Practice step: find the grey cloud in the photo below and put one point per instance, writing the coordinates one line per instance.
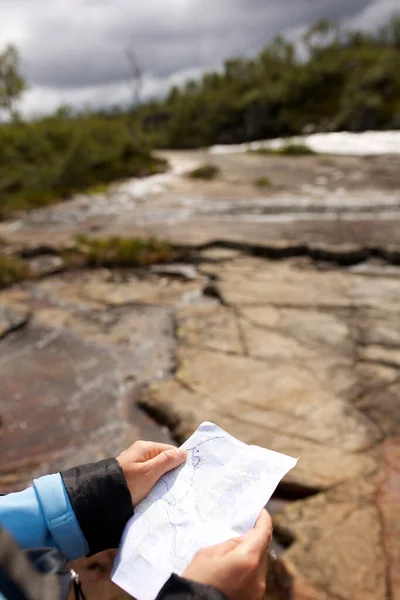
(75, 49)
(84, 45)
(374, 15)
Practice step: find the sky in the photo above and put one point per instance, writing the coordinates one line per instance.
(75, 51)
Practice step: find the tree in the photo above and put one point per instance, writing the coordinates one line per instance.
(322, 34)
(136, 77)
(135, 84)
(12, 84)
(390, 33)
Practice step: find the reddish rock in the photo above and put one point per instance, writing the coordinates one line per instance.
(65, 400)
(388, 503)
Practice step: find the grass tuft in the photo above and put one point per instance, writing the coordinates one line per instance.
(124, 252)
(206, 172)
(12, 270)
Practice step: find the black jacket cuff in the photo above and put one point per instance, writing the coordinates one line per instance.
(178, 588)
(101, 501)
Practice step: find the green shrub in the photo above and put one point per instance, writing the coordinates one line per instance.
(262, 182)
(348, 80)
(295, 150)
(12, 270)
(288, 149)
(207, 172)
(98, 188)
(124, 252)
(45, 161)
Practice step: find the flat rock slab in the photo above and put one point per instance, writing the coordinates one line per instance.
(210, 326)
(284, 407)
(250, 281)
(346, 541)
(305, 362)
(294, 358)
(388, 504)
(65, 399)
(199, 230)
(338, 547)
(12, 316)
(46, 264)
(140, 338)
(103, 288)
(55, 391)
(282, 355)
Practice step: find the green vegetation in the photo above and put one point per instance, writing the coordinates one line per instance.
(12, 83)
(48, 160)
(12, 270)
(98, 188)
(263, 182)
(295, 150)
(350, 80)
(124, 252)
(286, 150)
(93, 252)
(207, 172)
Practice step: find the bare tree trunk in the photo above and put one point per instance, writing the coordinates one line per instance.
(135, 84)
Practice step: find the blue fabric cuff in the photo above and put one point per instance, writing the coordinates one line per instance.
(60, 517)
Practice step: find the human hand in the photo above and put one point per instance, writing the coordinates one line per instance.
(238, 567)
(145, 462)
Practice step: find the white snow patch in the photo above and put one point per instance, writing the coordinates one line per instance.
(159, 183)
(154, 184)
(344, 142)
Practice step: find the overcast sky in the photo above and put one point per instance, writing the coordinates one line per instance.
(73, 50)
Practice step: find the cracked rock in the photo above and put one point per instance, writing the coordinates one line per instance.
(12, 316)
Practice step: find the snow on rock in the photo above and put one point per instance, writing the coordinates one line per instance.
(139, 187)
(159, 183)
(344, 142)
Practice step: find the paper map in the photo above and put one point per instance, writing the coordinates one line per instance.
(216, 495)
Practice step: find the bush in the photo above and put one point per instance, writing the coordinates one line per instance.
(347, 80)
(48, 160)
(288, 149)
(207, 172)
(12, 270)
(262, 182)
(124, 252)
(295, 150)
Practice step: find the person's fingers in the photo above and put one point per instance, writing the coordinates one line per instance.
(153, 449)
(263, 567)
(264, 521)
(165, 461)
(142, 451)
(160, 447)
(225, 547)
(258, 539)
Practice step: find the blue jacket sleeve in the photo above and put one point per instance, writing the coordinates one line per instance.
(43, 516)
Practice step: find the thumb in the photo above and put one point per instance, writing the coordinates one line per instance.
(258, 539)
(166, 461)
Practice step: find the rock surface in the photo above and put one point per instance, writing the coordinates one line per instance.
(299, 355)
(388, 504)
(285, 356)
(297, 360)
(45, 265)
(12, 316)
(81, 375)
(338, 542)
(361, 208)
